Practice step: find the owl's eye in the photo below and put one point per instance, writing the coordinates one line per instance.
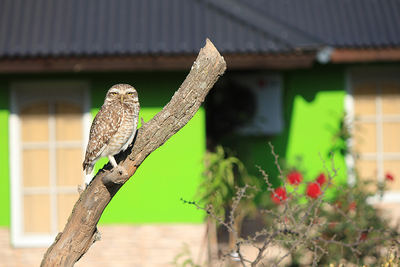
(129, 93)
(114, 93)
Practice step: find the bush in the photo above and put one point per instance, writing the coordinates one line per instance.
(299, 219)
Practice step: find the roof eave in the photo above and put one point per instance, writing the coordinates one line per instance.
(152, 63)
(365, 55)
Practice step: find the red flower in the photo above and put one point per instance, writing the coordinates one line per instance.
(278, 195)
(352, 205)
(313, 190)
(363, 236)
(321, 179)
(294, 177)
(389, 177)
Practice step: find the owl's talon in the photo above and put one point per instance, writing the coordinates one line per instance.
(121, 170)
(118, 175)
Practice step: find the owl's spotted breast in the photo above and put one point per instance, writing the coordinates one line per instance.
(124, 132)
(114, 127)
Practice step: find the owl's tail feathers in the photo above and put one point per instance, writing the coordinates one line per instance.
(88, 167)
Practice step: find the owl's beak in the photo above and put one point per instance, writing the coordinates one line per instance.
(122, 98)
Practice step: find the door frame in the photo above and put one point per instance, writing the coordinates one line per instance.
(18, 238)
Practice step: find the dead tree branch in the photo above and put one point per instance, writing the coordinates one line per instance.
(80, 232)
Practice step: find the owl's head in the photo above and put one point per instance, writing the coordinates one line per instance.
(123, 93)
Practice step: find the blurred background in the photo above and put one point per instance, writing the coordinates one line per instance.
(309, 76)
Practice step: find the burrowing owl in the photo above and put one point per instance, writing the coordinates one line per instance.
(114, 127)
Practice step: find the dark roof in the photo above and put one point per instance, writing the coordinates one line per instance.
(128, 27)
(339, 23)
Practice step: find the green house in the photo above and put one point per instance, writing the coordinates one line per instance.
(295, 73)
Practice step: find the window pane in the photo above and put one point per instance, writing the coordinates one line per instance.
(65, 204)
(364, 137)
(393, 167)
(37, 214)
(69, 167)
(391, 137)
(35, 167)
(34, 123)
(364, 100)
(391, 99)
(367, 171)
(68, 122)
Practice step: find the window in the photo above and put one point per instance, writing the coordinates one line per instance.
(48, 126)
(376, 127)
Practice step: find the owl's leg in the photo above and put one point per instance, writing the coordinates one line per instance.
(113, 162)
(120, 169)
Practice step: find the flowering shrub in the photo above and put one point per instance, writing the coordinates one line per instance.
(355, 226)
(345, 230)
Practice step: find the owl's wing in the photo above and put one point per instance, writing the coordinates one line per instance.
(105, 125)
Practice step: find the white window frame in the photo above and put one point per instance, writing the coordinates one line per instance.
(373, 74)
(18, 238)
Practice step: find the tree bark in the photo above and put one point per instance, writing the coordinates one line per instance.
(80, 232)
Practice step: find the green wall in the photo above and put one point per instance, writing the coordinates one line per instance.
(171, 172)
(317, 99)
(4, 166)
